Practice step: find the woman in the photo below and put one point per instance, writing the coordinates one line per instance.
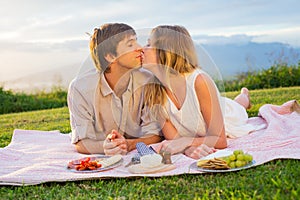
(194, 117)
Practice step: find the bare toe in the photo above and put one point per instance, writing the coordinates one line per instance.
(245, 91)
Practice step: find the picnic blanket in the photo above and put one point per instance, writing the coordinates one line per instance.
(35, 157)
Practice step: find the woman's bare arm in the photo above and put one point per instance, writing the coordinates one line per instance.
(211, 110)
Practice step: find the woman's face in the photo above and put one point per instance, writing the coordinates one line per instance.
(149, 54)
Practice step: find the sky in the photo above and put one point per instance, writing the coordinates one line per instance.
(36, 36)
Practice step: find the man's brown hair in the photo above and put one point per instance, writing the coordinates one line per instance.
(105, 40)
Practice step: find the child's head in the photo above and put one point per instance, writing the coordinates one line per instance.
(174, 47)
(105, 41)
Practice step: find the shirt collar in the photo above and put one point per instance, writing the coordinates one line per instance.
(104, 86)
(106, 89)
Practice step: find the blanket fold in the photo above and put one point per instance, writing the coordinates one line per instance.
(35, 157)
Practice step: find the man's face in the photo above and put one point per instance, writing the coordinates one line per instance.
(129, 52)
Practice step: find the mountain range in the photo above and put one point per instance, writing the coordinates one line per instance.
(222, 61)
(232, 59)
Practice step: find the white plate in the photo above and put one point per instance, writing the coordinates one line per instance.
(218, 154)
(195, 167)
(139, 169)
(98, 169)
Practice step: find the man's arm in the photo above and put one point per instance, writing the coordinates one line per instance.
(88, 146)
(149, 139)
(82, 121)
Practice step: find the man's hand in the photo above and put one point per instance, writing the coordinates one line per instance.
(115, 143)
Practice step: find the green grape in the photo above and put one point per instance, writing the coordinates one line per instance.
(244, 163)
(248, 157)
(228, 161)
(236, 152)
(239, 163)
(232, 157)
(232, 165)
(237, 159)
(240, 157)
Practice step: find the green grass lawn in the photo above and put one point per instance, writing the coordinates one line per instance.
(278, 179)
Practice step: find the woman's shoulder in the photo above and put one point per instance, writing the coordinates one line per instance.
(199, 76)
(203, 80)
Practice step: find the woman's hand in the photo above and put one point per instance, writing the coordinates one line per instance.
(115, 143)
(199, 152)
(175, 146)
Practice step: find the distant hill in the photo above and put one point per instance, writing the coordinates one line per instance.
(226, 60)
(44, 80)
(236, 58)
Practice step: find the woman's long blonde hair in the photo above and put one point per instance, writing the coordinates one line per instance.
(176, 52)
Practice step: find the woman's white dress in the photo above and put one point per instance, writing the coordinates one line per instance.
(189, 122)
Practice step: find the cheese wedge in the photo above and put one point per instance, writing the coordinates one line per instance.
(151, 160)
(110, 161)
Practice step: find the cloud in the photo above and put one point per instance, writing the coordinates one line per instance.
(285, 35)
(221, 40)
(56, 29)
(62, 19)
(46, 46)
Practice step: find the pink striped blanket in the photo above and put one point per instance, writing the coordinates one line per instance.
(35, 157)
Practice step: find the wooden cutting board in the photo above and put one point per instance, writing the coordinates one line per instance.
(139, 169)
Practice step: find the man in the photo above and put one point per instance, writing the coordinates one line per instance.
(106, 106)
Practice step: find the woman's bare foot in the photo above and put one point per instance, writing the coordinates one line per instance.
(243, 98)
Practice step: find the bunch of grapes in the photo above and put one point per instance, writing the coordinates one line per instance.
(238, 159)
